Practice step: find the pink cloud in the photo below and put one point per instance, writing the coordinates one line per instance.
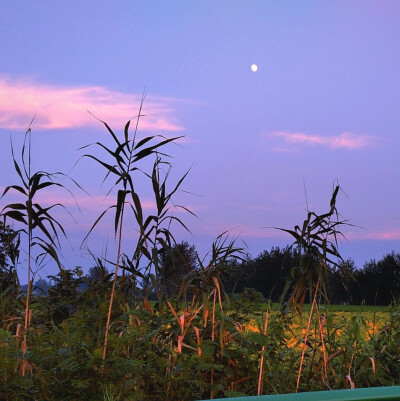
(67, 107)
(393, 234)
(386, 234)
(345, 140)
(86, 203)
(90, 207)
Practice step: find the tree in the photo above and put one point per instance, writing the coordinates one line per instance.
(271, 270)
(267, 273)
(175, 264)
(99, 273)
(236, 278)
(380, 281)
(40, 287)
(9, 242)
(343, 286)
(63, 297)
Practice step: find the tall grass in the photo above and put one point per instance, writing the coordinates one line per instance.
(40, 227)
(125, 158)
(317, 244)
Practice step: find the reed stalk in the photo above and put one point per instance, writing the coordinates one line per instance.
(112, 295)
(34, 218)
(125, 158)
(306, 336)
(321, 334)
(262, 354)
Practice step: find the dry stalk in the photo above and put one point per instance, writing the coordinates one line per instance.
(212, 338)
(262, 354)
(184, 322)
(213, 317)
(306, 336)
(28, 314)
(321, 333)
(348, 377)
(112, 293)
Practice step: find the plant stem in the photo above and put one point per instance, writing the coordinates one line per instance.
(112, 290)
(262, 354)
(28, 294)
(306, 336)
(212, 338)
(321, 333)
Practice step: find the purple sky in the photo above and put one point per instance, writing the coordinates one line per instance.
(323, 105)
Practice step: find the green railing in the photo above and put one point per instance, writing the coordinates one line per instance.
(359, 394)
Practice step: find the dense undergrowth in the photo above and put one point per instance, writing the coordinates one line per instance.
(155, 355)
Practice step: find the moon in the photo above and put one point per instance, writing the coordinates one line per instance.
(254, 67)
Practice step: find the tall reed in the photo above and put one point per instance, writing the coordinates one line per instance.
(124, 163)
(317, 243)
(33, 218)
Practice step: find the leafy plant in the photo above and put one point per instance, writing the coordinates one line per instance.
(316, 242)
(125, 158)
(34, 219)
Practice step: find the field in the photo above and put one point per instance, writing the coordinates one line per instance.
(374, 319)
(162, 352)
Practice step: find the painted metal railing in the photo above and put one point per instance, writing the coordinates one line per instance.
(360, 394)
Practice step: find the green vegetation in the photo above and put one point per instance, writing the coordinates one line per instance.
(374, 284)
(166, 328)
(339, 308)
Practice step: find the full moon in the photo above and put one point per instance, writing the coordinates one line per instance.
(254, 67)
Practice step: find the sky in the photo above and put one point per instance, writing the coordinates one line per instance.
(323, 107)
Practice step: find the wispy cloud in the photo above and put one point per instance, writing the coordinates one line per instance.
(345, 140)
(68, 106)
(90, 206)
(391, 234)
(86, 203)
(384, 234)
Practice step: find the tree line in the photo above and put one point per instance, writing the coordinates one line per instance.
(377, 282)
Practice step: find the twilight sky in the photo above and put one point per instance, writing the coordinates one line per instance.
(323, 106)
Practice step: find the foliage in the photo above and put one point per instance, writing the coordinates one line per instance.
(379, 281)
(9, 252)
(316, 241)
(126, 155)
(8, 246)
(31, 215)
(375, 283)
(156, 354)
(38, 223)
(176, 263)
(267, 273)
